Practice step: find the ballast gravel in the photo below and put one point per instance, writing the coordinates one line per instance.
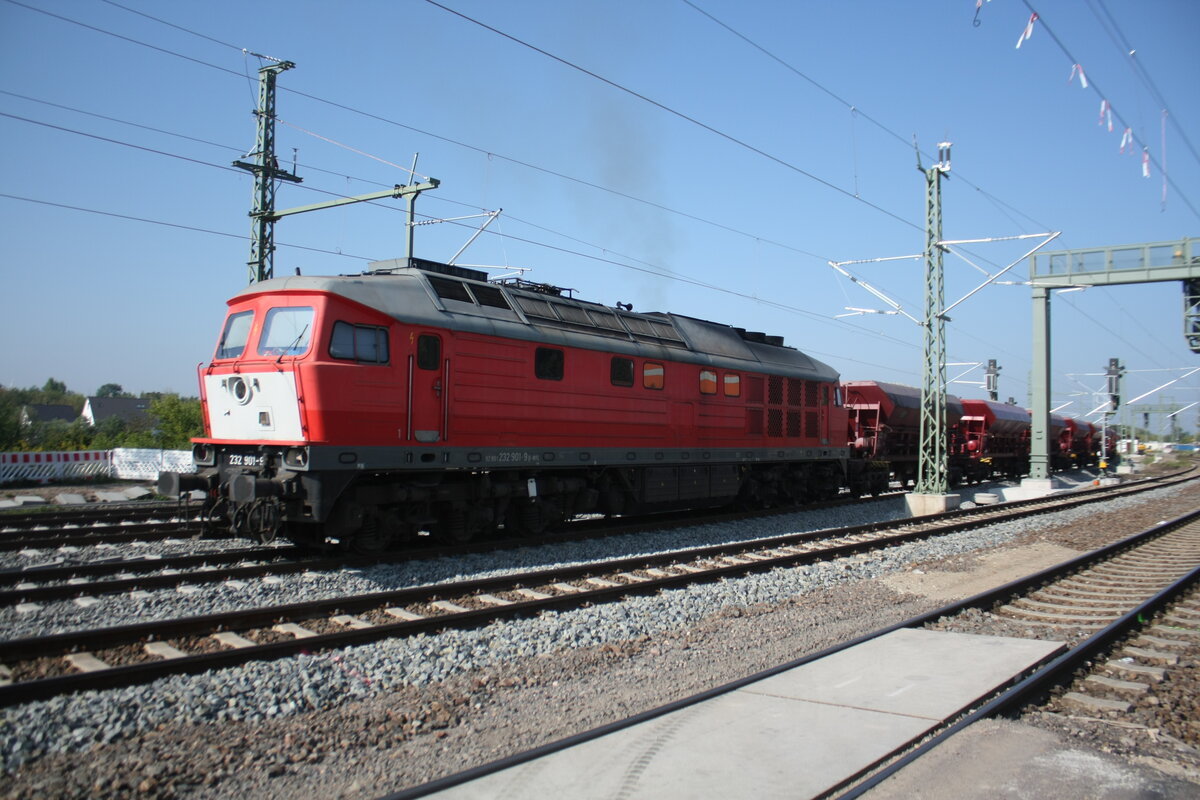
(367, 720)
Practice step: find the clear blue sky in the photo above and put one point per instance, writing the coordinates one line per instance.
(723, 201)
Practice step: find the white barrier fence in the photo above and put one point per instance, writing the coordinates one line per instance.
(123, 463)
(132, 464)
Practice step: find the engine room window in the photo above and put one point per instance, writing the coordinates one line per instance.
(733, 385)
(233, 338)
(429, 352)
(652, 375)
(365, 343)
(548, 364)
(450, 290)
(708, 381)
(489, 296)
(286, 331)
(621, 371)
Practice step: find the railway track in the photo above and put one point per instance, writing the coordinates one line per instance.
(53, 582)
(114, 524)
(61, 663)
(1127, 611)
(110, 513)
(1151, 674)
(107, 534)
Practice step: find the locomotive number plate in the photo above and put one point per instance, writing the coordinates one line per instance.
(511, 457)
(238, 460)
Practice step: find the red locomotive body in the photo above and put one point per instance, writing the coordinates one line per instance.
(420, 397)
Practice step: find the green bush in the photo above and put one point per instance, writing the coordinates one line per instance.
(172, 421)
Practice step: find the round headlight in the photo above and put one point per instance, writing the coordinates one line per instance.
(240, 390)
(202, 455)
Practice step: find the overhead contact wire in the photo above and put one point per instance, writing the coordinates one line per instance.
(728, 137)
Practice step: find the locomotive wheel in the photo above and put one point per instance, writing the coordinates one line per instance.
(212, 517)
(263, 520)
(453, 527)
(371, 539)
(535, 518)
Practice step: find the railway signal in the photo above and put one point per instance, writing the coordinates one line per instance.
(992, 377)
(1113, 381)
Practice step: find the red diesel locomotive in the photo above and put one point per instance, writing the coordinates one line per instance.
(420, 397)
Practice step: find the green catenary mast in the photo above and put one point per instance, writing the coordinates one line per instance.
(266, 174)
(932, 477)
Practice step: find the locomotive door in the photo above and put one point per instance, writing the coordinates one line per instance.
(428, 390)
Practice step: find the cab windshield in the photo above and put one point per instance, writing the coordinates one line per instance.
(233, 338)
(286, 331)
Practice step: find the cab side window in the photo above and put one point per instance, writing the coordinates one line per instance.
(367, 344)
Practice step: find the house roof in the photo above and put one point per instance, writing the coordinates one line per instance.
(126, 408)
(42, 412)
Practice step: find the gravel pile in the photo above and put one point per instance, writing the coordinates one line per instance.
(475, 689)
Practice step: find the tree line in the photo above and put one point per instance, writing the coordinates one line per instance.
(170, 423)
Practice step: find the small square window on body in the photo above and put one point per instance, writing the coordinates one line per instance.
(621, 371)
(652, 375)
(548, 364)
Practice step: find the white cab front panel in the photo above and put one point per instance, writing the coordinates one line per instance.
(253, 406)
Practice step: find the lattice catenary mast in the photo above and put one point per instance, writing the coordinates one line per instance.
(932, 470)
(266, 175)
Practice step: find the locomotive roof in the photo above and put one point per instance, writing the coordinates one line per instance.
(459, 302)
